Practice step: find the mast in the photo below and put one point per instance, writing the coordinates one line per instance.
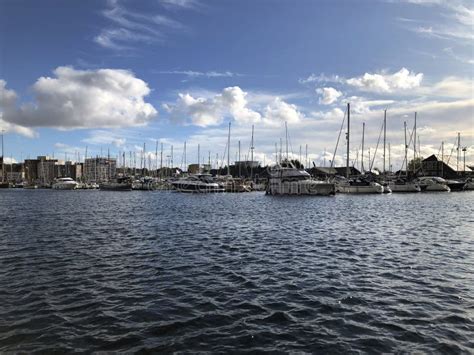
(286, 135)
(156, 158)
(347, 138)
(161, 161)
(251, 156)
(240, 164)
(384, 137)
(172, 157)
(442, 159)
(228, 152)
(406, 150)
(363, 141)
(199, 158)
(3, 160)
(458, 153)
(306, 156)
(276, 153)
(414, 148)
(185, 162)
(389, 159)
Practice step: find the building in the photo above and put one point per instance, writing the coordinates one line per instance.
(14, 173)
(31, 170)
(99, 169)
(72, 170)
(47, 170)
(432, 166)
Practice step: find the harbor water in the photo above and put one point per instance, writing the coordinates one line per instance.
(163, 271)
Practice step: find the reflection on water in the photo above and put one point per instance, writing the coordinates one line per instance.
(162, 271)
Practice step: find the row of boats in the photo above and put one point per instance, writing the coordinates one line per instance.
(283, 179)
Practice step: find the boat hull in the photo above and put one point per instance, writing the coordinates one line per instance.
(404, 188)
(115, 187)
(64, 186)
(197, 188)
(298, 188)
(361, 189)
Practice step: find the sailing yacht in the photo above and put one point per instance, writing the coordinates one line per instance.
(118, 184)
(286, 179)
(401, 185)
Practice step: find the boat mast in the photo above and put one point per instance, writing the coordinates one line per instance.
(306, 157)
(458, 152)
(156, 158)
(3, 158)
(406, 150)
(161, 161)
(185, 168)
(251, 156)
(389, 159)
(240, 164)
(363, 141)
(228, 152)
(199, 158)
(286, 135)
(347, 137)
(414, 148)
(384, 137)
(442, 159)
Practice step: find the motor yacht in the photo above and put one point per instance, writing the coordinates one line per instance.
(65, 183)
(200, 183)
(286, 179)
(432, 183)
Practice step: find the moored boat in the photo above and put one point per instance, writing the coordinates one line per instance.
(66, 183)
(432, 183)
(199, 183)
(118, 184)
(401, 185)
(286, 179)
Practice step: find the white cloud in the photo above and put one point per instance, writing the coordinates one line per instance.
(197, 74)
(7, 104)
(104, 138)
(133, 27)
(385, 82)
(278, 112)
(85, 99)
(184, 4)
(230, 103)
(328, 95)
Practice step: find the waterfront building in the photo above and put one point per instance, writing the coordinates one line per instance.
(432, 166)
(99, 169)
(47, 170)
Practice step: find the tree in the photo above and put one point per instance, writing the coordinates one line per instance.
(417, 164)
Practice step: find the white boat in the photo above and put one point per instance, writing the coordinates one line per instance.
(286, 179)
(469, 185)
(404, 186)
(358, 186)
(64, 184)
(231, 184)
(433, 183)
(199, 183)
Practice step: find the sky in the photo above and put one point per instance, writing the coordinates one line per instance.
(112, 76)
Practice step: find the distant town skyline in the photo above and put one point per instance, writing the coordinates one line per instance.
(117, 74)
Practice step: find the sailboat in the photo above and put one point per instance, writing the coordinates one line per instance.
(3, 184)
(358, 185)
(403, 184)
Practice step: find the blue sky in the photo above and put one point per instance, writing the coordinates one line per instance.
(115, 74)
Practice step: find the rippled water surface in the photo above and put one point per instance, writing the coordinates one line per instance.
(162, 271)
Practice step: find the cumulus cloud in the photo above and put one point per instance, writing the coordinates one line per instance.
(278, 111)
(385, 82)
(232, 103)
(7, 104)
(328, 95)
(85, 99)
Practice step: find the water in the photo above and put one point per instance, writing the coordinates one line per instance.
(162, 271)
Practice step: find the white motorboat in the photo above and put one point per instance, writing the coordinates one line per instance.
(433, 183)
(358, 186)
(286, 179)
(199, 183)
(66, 183)
(404, 186)
(469, 185)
